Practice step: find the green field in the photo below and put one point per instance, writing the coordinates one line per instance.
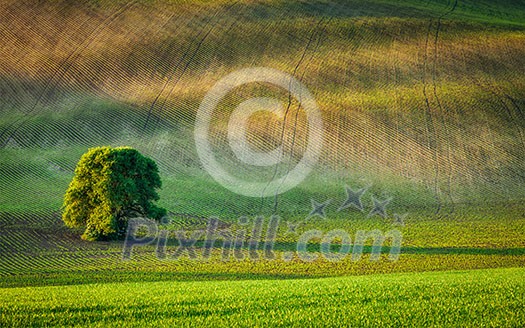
(491, 298)
(422, 103)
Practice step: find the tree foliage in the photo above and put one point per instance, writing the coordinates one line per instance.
(111, 185)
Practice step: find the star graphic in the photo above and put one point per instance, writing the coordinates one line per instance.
(379, 207)
(353, 198)
(399, 219)
(318, 209)
(292, 227)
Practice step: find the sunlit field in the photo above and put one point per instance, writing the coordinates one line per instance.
(462, 298)
(422, 106)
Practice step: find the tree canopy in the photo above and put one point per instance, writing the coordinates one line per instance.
(111, 185)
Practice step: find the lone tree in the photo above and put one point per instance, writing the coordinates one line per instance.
(111, 185)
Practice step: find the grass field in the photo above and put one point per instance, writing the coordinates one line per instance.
(477, 298)
(422, 103)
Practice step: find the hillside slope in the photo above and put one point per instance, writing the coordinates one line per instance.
(424, 100)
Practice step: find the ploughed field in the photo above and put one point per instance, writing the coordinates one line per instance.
(422, 103)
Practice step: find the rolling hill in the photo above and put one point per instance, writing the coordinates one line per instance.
(423, 100)
(422, 105)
